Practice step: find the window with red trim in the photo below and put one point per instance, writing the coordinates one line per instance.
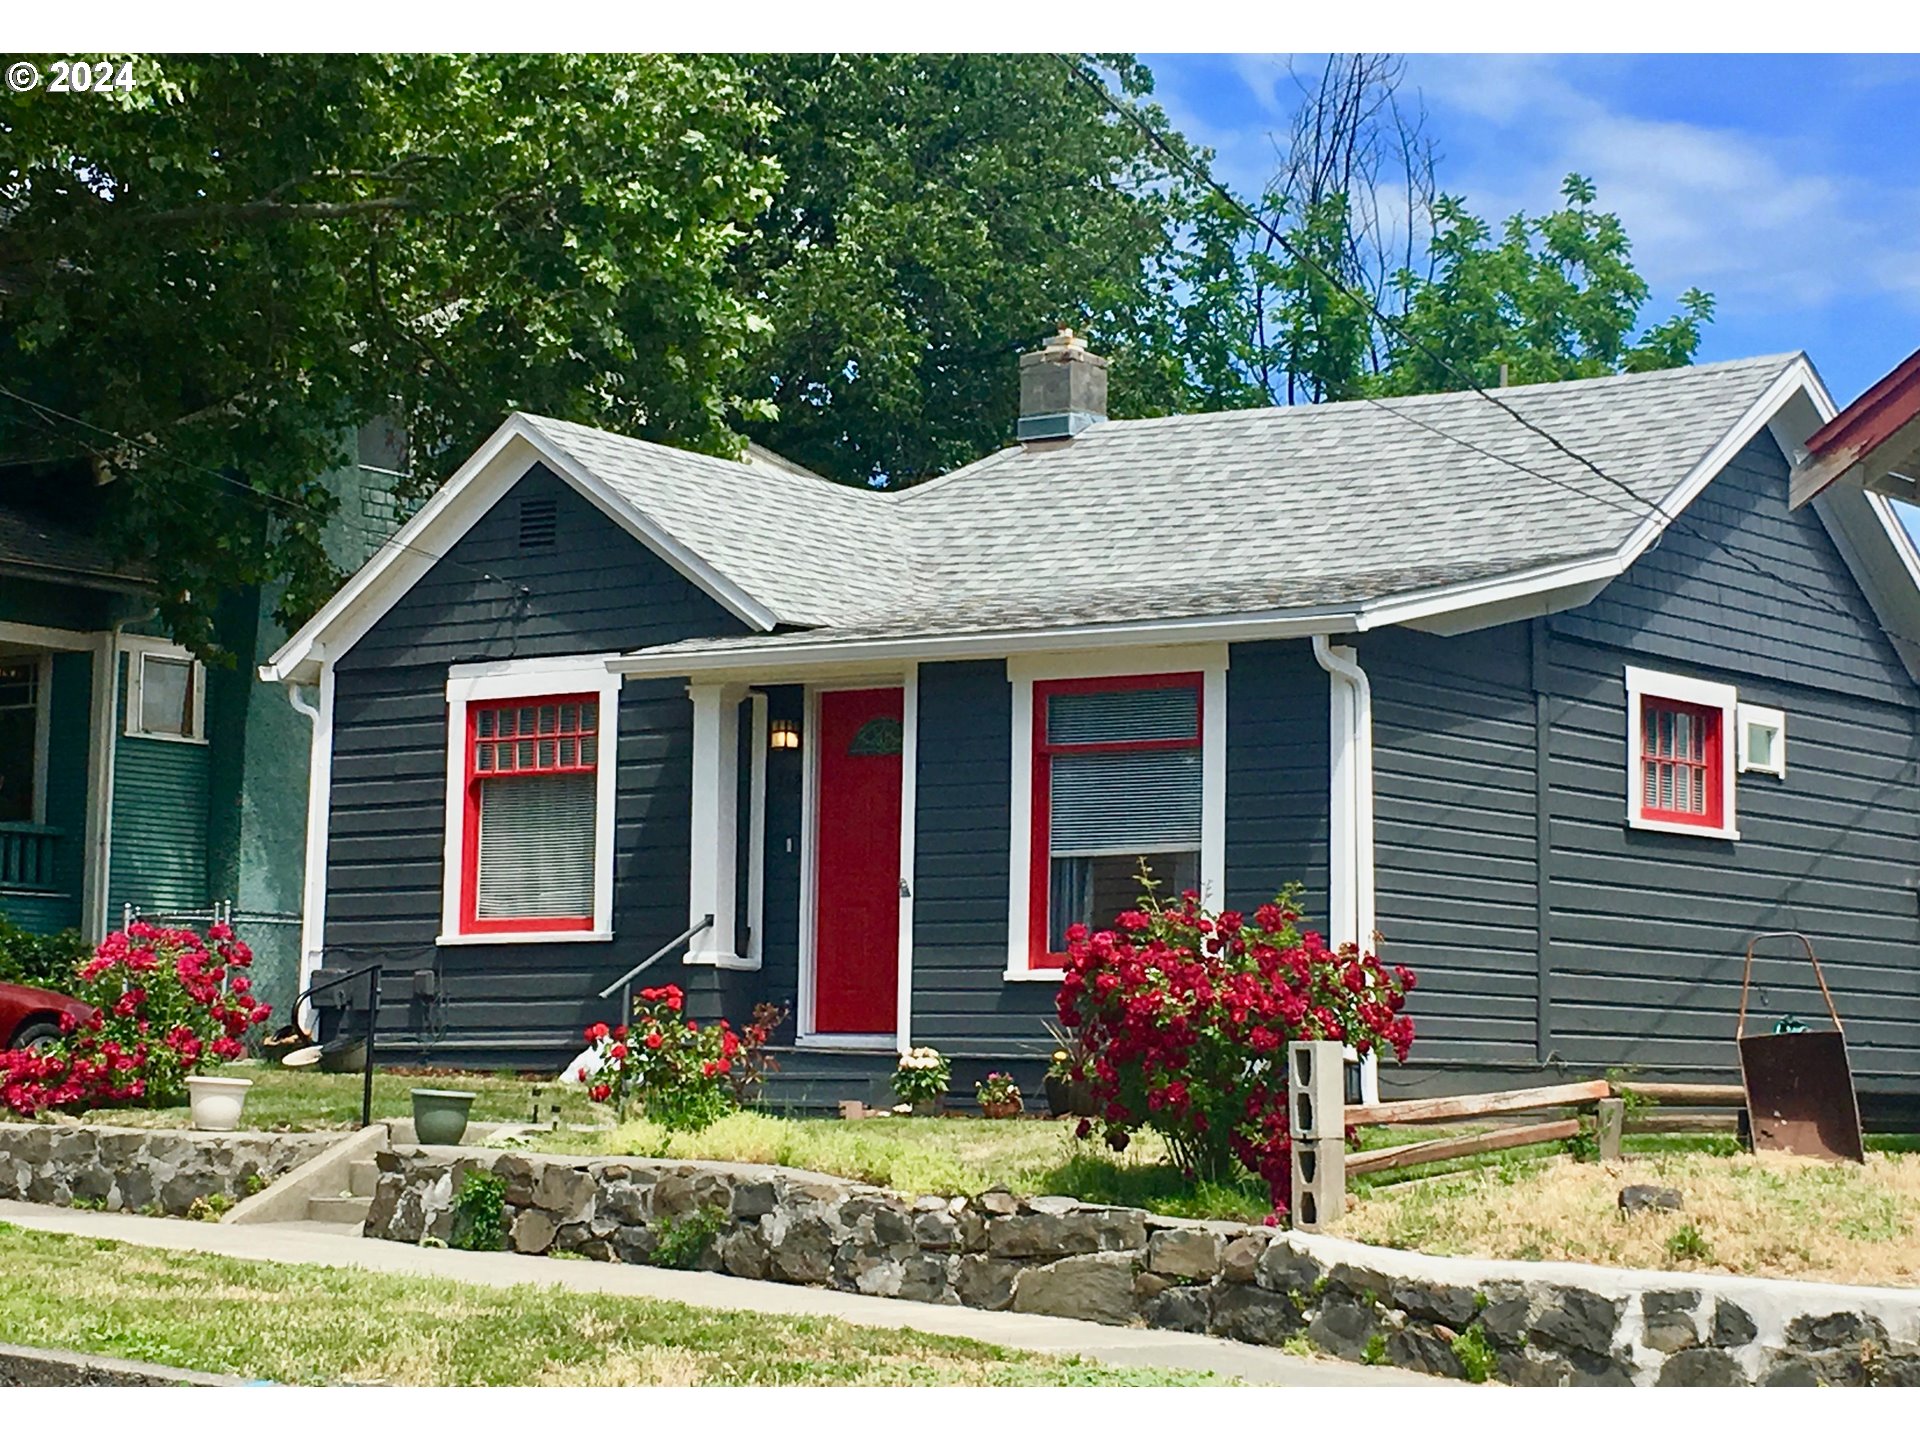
(1682, 762)
(530, 814)
(1116, 784)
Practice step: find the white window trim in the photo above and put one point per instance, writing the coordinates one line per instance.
(525, 679)
(1769, 718)
(1024, 671)
(137, 649)
(1684, 690)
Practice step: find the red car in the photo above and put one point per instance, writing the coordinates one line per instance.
(30, 1018)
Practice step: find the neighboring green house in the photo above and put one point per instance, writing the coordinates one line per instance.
(133, 778)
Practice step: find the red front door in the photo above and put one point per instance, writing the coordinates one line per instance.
(857, 895)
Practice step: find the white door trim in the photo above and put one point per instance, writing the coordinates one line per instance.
(806, 1035)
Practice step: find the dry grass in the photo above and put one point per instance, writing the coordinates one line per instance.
(1746, 1214)
(307, 1325)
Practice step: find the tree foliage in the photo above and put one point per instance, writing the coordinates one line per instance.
(938, 215)
(208, 281)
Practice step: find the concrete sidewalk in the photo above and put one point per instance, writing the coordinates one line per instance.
(300, 1244)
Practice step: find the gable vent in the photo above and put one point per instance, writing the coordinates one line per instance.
(539, 519)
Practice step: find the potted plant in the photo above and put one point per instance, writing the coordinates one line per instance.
(921, 1079)
(999, 1097)
(1067, 1090)
(440, 1116)
(215, 1101)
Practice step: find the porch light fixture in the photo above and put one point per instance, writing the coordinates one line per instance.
(784, 735)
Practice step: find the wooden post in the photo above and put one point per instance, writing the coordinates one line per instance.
(1609, 1122)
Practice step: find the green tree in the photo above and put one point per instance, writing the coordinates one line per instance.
(939, 214)
(1552, 297)
(219, 273)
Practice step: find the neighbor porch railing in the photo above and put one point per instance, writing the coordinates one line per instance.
(27, 854)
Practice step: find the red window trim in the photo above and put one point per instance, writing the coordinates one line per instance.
(1040, 859)
(1713, 763)
(470, 921)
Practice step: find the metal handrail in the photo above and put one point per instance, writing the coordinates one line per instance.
(625, 982)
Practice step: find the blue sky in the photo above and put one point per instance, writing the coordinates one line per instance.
(1788, 186)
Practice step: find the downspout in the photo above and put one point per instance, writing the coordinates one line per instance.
(1350, 817)
(313, 902)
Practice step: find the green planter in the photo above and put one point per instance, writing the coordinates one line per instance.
(440, 1116)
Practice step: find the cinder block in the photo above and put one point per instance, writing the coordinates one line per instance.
(1316, 1090)
(1319, 1182)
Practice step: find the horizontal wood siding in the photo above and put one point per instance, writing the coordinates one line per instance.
(962, 1002)
(1277, 759)
(596, 590)
(1649, 929)
(1454, 837)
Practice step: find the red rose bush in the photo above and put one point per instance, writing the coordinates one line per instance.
(1184, 1016)
(169, 1004)
(678, 1071)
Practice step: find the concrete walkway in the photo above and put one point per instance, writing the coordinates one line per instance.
(303, 1244)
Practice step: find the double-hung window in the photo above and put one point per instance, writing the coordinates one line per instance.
(529, 809)
(1680, 734)
(1117, 783)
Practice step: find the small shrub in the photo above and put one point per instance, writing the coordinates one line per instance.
(923, 1074)
(1297, 1344)
(1688, 1244)
(480, 1213)
(47, 962)
(209, 1207)
(1475, 1354)
(674, 1068)
(1583, 1145)
(254, 1183)
(1375, 1352)
(753, 1063)
(684, 1238)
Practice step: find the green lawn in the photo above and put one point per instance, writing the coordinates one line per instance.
(303, 1324)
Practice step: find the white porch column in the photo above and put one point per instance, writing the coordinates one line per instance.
(716, 805)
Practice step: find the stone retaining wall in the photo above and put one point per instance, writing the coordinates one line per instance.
(1531, 1324)
(157, 1171)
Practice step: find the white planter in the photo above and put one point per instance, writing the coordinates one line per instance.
(216, 1101)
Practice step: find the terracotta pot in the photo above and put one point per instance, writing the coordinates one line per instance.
(1001, 1109)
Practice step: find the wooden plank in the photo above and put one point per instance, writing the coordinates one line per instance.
(1664, 1123)
(1715, 1096)
(1421, 1152)
(1469, 1107)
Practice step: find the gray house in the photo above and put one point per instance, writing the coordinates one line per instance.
(1553, 692)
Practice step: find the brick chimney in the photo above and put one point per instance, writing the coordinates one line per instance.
(1063, 389)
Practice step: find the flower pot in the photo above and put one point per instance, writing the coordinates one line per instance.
(926, 1107)
(1001, 1109)
(215, 1101)
(1080, 1099)
(1058, 1101)
(440, 1116)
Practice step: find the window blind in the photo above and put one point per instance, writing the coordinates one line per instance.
(1131, 802)
(1094, 717)
(536, 847)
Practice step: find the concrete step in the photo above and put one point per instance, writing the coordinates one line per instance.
(365, 1175)
(339, 1209)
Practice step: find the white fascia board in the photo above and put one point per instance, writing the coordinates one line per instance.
(468, 494)
(767, 664)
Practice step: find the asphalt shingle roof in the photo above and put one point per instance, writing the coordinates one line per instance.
(29, 540)
(1228, 513)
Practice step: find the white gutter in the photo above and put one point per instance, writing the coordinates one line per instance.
(313, 902)
(1350, 903)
